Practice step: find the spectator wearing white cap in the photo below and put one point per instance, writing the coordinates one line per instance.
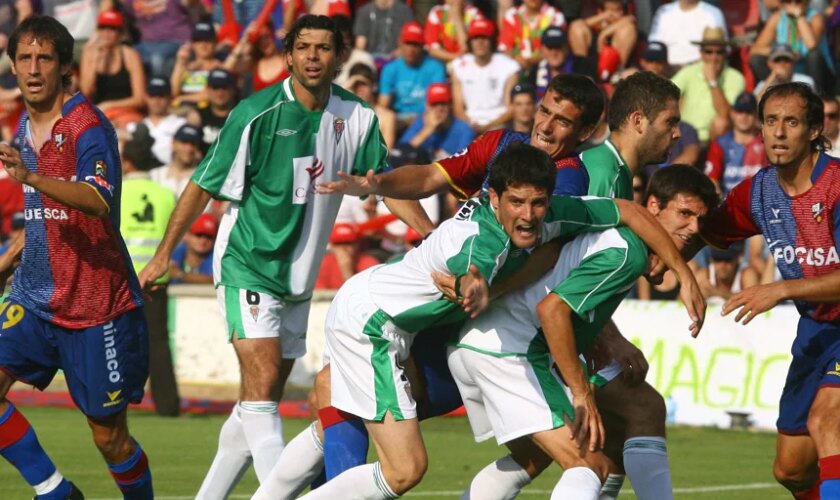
(782, 65)
(680, 24)
(186, 153)
(437, 131)
(160, 120)
(403, 84)
(482, 80)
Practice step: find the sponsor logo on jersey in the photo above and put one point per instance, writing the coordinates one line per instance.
(45, 214)
(835, 371)
(113, 398)
(99, 169)
(817, 211)
(101, 182)
(775, 211)
(306, 172)
(811, 256)
(111, 363)
(338, 127)
(59, 142)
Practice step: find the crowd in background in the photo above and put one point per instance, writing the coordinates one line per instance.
(168, 72)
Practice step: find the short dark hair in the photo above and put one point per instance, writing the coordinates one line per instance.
(642, 91)
(46, 28)
(668, 182)
(313, 22)
(522, 164)
(581, 91)
(814, 114)
(344, 24)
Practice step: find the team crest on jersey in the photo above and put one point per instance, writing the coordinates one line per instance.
(255, 312)
(100, 168)
(59, 142)
(338, 127)
(817, 210)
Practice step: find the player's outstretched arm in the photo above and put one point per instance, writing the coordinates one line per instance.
(190, 205)
(411, 182)
(760, 298)
(556, 319)
(78, 195)
(641, 222)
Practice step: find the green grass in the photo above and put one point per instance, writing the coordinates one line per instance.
(180, 451)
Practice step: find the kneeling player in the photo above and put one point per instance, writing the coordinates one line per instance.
(503, 359)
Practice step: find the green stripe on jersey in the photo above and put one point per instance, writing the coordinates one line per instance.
(383, 372)
(267, 160)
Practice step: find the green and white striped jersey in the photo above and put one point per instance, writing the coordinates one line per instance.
(608, 173)
(592, 275)
(267, 160)
(404, 290)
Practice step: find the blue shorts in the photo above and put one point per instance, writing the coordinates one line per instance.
(816, 364)
(429, 352)
(105, 366)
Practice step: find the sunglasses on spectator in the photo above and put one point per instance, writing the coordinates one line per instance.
(793, 1)
(783, 59)
(833, 116)
(717, 52)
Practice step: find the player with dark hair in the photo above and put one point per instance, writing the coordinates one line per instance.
(793, 203)
(75, 303)
(274, 147)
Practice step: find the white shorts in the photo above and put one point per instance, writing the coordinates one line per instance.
(509, 396)
(257, 315)
(606, 374)
(365, 351)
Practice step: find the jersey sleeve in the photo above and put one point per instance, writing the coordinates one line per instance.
(569, 215)
(571, 181)
(731, 221)
(603, 274)
(714, 161)
(96, 163)
(372, 153)
(480, 251)
(222, 171)
(465, 170)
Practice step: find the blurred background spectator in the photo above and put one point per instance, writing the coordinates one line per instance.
(186, 153)
(446, 28)
(210, 115)
(343, 258)
(378, 26)
(555, 60)
(611, 27)
(160, 121)
(523, 105)
(192, 260)
(831, 123)
(438, 132)
(353, 55)
(257, 55)
(482, 80)
(782, 63)
(681, 24)
(164, 26)
(522, 29)
(193, 64)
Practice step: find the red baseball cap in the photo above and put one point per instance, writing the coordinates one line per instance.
(439, 93)
(608, 62)
(109, 19)
(206, 224)
(481, 27)
(344, 233)
(412, 32)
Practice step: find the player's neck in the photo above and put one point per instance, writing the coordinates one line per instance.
(46, 113)
(796, 179)
(311, 99)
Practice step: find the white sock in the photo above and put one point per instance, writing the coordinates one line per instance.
(502, 480)
(612, 486)
(264, 433)
(578, 483)
(232, 459)
(301, 461)
(364, 482)
(646, 463)
(49, 484)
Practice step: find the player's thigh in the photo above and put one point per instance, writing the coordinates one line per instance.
(460, 362)
(563, 450)
(399, 446)
(641, 407)
(250, 315)
(796, 459)
(105, 366)
(27, 351)
(823, 425)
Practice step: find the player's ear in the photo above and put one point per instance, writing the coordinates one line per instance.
(652, 205)
(494, 198)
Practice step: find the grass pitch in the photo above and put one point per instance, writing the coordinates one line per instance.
(705, 463)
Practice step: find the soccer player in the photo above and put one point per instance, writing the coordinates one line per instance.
(793, 203)
(502, 359)
(75, 303)
(375, 316)
(270, 153)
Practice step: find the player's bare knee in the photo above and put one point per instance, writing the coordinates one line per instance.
(794, 475)
(822, 419)
(406, 474)
(114, 444)
(646, 416)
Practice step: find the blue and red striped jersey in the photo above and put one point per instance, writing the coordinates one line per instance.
(75, 270)
(801, 231)
(468, 171)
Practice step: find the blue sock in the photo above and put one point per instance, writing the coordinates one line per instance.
(133, 477)
(345, 441)
(19, 445)
(830, 489)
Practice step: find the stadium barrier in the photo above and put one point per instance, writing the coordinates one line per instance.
(730, 369)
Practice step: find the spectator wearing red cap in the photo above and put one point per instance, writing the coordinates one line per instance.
(111, 73)
(446, 28)
(192, 260)
(403, 84)
(482, 80)
(437, 131)
(378, 26)
(343, 259)
(610, 26)
(522, 28)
